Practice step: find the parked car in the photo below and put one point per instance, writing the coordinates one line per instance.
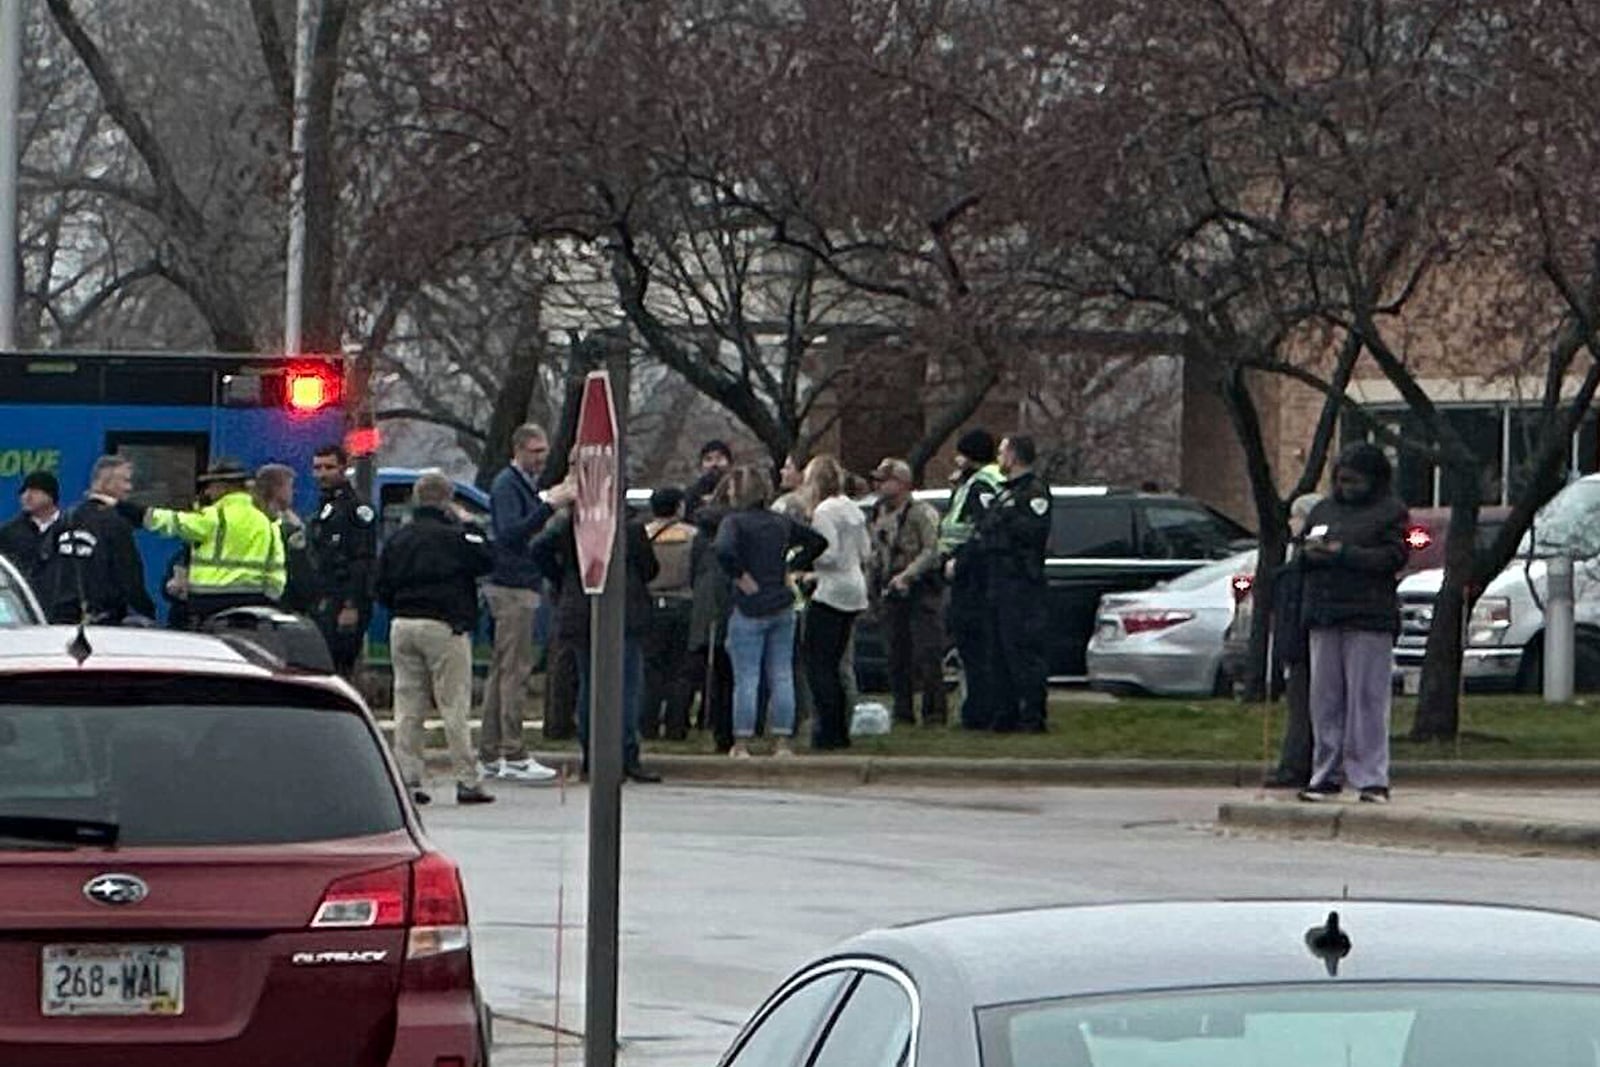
(1168, 640)
(18, 605)
(1104, 542)
(1505, 634)
(207, 857)
(1425, 538)
(1371, 983)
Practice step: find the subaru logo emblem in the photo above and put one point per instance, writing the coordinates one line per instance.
(115, 889)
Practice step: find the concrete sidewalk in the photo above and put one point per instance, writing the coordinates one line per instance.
(1523, 821)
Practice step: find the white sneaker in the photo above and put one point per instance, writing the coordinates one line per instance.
(491, 770)
(529, 771)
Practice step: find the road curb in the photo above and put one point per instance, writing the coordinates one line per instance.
(806, 770)
(1387, 826)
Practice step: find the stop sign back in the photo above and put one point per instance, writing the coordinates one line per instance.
(596, 462)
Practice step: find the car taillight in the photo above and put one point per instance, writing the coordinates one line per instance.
(1242, 584)
(1143, 622)
(374, 900)
(437, 944)
(1419, 538)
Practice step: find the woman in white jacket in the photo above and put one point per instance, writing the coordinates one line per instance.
(839, 598)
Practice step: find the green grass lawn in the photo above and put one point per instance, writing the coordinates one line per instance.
(1511, 727)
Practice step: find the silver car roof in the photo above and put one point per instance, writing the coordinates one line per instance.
(31, 649)
(1095, 949)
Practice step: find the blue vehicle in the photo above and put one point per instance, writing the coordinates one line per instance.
(171, 414)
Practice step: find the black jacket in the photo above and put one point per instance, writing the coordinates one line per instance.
(1290, 640)
(343, 542)
(713, 589)
(759, 543)
(1356, 589)
(96, 563)
(555, 553)
(430, 569)
(27, 546)
(1014, 534)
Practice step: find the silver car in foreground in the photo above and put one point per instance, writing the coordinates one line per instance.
(1308, 983)
(1168, 641)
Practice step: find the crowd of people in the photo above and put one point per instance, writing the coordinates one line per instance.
(744, 592)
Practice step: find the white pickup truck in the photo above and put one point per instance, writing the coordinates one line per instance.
(1505, 636)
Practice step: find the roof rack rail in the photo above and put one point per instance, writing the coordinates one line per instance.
(274, 638)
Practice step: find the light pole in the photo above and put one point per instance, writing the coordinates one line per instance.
(308, 13)
(10, 148)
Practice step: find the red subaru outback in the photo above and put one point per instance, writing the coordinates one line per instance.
(209, 860)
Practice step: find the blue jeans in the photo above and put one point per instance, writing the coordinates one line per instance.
(632, 693)
(760, 649)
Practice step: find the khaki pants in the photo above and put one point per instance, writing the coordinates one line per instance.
(432, 672)
(509, 673)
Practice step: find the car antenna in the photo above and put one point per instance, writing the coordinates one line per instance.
(1329, 943)
(79, 647)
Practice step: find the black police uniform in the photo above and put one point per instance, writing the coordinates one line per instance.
(95, 566)
(1012, 539)
(343, 544)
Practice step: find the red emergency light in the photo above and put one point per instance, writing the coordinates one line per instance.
(1419, 538)
(308, 390)
(363, 441)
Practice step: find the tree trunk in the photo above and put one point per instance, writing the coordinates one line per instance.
(1270, 523)
(1439, 706)
(510, 411)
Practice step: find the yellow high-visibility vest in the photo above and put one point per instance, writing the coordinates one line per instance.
(237, 547)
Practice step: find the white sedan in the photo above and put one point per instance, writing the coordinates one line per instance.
(1168, 640)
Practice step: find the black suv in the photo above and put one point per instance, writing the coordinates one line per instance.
(1101, 541)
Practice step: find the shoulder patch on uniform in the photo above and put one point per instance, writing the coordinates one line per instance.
(364, 513)
(327, 511)
(986, 499)
(1039, 505)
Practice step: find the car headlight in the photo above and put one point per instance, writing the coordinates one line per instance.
(1491, 618)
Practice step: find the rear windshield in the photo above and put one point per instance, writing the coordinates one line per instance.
(1345, 1025)
(197, 774)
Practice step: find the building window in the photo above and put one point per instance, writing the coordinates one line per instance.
(1503, 436)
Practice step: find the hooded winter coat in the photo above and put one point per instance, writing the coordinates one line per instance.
(1356, 589)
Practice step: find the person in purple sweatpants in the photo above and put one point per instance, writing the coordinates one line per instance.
(1353, 553)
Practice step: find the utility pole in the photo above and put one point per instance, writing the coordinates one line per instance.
(308, 13)
(10, 149)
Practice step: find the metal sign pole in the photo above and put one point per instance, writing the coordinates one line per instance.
(607, 692)
(10, 149)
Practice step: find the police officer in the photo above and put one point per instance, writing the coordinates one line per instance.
(1012, 538)
(95, 573)
(236, 549)
(977, 482)
(343, 544)
(428, 579)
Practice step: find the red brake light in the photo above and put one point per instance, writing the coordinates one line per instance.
(437, 947)
(437, 898)
(1141, 622)
(1418, 538)
(374, 900)
(1242, 584)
